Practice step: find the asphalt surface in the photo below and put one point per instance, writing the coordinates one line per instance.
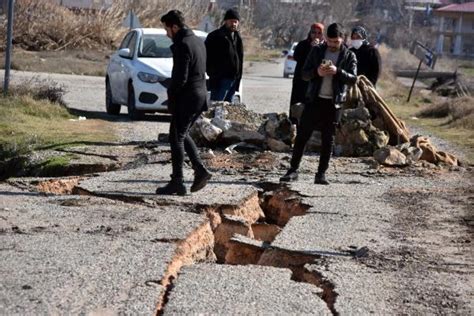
(377, 240)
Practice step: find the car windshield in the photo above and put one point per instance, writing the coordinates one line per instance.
(155, 46)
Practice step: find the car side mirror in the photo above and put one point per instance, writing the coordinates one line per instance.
(125, 53)
(284, 52)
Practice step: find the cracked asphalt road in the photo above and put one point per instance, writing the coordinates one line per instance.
(108, 245)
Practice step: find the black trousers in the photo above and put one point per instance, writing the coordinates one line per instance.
(180, 141)
(324, 117)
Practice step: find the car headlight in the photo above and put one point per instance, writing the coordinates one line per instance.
(149, 78)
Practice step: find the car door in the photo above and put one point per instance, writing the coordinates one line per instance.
(114, 71)
(127, 66)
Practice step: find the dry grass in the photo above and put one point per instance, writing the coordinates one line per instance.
(458, 112)
(78, 62)
(44, 25)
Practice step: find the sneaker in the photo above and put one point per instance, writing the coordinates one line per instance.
(291, 175)
(200, 180)
(320, 178)
(173, 187)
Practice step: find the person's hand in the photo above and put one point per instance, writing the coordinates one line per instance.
(324, 71)
(331, 70)
(315, 42)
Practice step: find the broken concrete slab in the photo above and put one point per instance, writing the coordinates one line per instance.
(141, 183)
(73, 254)
(47, 273)
(242, 290)
(335, 226)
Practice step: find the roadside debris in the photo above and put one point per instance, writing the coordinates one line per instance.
(368, 128)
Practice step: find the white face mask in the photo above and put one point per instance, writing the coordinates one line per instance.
(357, 43)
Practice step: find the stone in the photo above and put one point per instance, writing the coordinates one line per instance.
(278, 126)
(379, 138)
(242, 133)
(208, 130)
(277, 145)
(360, 113)
(390, 156)
(359, 137)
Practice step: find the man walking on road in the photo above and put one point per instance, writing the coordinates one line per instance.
(225, 57)
(187, 99)
(298, 91)
(368, 57)
(330, 68)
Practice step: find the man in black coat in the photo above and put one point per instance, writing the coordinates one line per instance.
(298, 91)
(330, 68)
(368, 57)
(225, 58)
(187, 99)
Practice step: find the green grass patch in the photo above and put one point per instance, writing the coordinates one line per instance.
(27, 124)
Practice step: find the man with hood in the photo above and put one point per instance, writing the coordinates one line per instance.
(368, 57)
(187, 99)
(330, 68)
(225, 58)
(298, 91)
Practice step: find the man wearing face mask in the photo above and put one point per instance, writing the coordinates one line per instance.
(187, 99)
(225, 57)
(330, 68)
(368, 57)
(315, 37)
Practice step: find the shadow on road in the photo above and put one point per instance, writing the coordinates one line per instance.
(100, 115)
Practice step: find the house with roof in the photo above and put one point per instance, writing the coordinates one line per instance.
(455, 34)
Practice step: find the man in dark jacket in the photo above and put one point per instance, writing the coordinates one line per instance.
(187, 99)
(225, 57)
(298, 91)
(368, 57)
(330, 68)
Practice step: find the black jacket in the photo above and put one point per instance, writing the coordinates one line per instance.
(187, 91)
(346, 74)
(301, 52)
(368, 62)
(225, 55)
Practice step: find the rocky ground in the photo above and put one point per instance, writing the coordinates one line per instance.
(377, 240)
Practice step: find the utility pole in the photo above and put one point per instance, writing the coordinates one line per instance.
(8, 52)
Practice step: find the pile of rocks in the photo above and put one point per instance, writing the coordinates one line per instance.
(232, 126)
(418, 148)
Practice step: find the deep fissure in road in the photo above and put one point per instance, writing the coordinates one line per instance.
(243, 235)
(233, 235)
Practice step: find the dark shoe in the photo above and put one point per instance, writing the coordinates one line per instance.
(320, 178)
(291, 175)
(200, 180)
(173, 187)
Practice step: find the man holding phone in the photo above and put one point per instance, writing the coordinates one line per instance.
(330, 68)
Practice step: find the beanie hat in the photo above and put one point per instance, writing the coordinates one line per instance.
(232, 14)
(359, 30)
(319, 26)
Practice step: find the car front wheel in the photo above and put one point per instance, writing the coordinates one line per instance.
(111, 107)
(133, 113)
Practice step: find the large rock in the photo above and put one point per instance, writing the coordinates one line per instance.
(278, 126)
(390, 156)
(241, 133)
(277, 145)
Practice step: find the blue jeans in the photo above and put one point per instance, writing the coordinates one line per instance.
(224, 91)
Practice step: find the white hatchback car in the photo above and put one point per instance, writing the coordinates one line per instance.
(139, 73)
(290, 63)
